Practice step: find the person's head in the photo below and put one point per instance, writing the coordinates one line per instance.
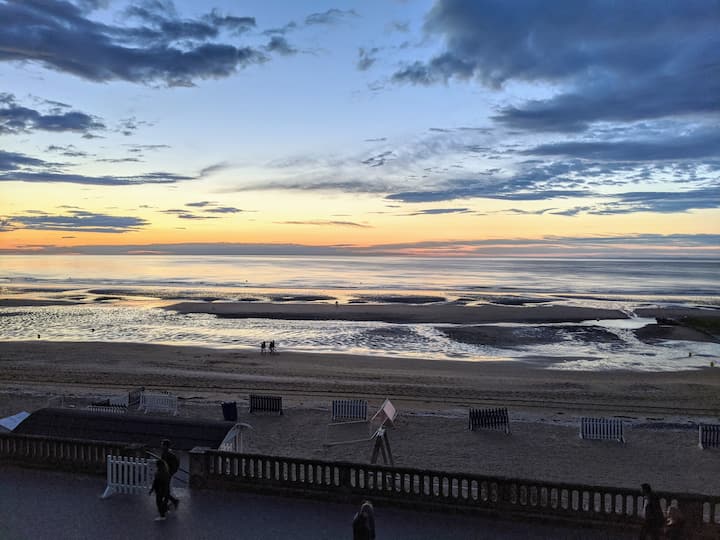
(366, 507)
(165, 444)
(646, 488)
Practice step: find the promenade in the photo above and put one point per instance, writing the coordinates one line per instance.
(40, 505)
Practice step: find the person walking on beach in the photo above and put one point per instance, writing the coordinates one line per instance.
(272, 346)
(262, 348)
(161, 488)
(654, 517)
(364, 522)
(173, 464)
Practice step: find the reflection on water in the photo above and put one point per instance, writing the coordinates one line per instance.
(133, 323)
(672, 277)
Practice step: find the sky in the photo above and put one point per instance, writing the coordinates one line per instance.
(446, 127)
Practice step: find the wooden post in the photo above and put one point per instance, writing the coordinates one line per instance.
(382, 447)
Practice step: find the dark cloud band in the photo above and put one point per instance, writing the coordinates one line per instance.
(165, 48)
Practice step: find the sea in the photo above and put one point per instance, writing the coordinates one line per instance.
(122, 298)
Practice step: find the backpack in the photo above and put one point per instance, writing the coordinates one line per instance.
(173, 463)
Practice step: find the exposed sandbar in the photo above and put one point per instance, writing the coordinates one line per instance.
(394, 313)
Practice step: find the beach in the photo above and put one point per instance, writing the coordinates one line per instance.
(550, 347)
(432, 397)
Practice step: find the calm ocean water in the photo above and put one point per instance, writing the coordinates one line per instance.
(667, 278)
(121, 296)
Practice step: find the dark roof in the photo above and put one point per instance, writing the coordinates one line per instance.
(184, 433)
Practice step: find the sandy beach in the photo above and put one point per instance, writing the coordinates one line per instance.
(432, 398)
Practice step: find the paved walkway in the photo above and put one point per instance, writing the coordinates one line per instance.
(42, 505)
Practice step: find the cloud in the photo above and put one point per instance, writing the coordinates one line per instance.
(280, 45)
(607, 61)
(15, 118)
(184, 214)
(215, 167)
(75, 221)
(205, 207)
(378, 139)
(292, 25)
(331, 16)
(68, 151)
(379, 159)
(54, 177)
(347, 186)
(224, 210)
(366, 58)
(702, 143)
(11, 160)
(200, 204)
(15, 167)
(532, 181)
(165, 24)
(163, 48)
(437, 211)
(690, 93)
(128, 126)
(474, 190)
(325, 223)
(521, 212)
(661, 202)
(120, 160)
(137, 148)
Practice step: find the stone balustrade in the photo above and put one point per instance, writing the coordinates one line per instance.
(504, 497)
(58, 453)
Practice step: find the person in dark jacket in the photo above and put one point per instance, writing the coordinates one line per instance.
(364, 522)
(161, 488)
(654, 516)
(173, 464)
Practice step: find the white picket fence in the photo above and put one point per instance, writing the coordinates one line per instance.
(113, 409)
(131, 399)
(709, 436)
(158, 403)
(609, 429)
(349, 409)
(129, 475)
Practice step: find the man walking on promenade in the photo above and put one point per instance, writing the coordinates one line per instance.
(173, 464)
(161, 488)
